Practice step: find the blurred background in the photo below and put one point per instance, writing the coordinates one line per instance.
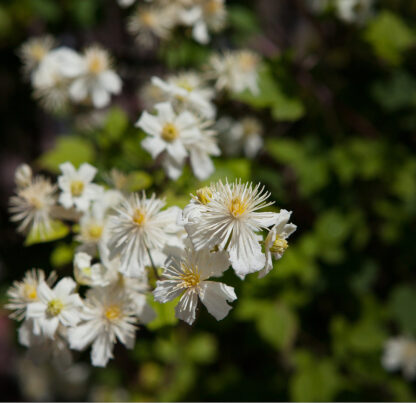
(338, 109)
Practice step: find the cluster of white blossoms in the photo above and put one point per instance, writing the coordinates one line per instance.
(156, 20)
(60, 76)
(124, 243)
(181, 126)
(400, 354)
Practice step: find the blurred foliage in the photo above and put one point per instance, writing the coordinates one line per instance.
(338, 105)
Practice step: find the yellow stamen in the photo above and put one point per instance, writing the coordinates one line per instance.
(147, 18)
(38, 52)
(190, 278)
(95, 231)
(30, 291)
(237, 207)
(96, 64)
(112, 312)
(279, 245)
(169, 132)
(87, 271)
(55, 307)
(139, 217)
(204, 195)
(77, 187)
(212, 7)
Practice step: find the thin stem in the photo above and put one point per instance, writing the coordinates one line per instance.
(153, 264)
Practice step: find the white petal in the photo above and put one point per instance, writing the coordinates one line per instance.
(78, 91)
(154, 146)
(65, 287)
(165, 111)
(102, 350)
(87, 172)
(202, 165)
(215, 296)
(111, 81)
(186, 308)
(81, 336)
(100, 97)
(49, 326)
(149, 123)
(200, 32)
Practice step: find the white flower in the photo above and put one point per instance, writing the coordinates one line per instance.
(22, 293)
(23, 176)
(125, 3)
(168, 133)
(96, 78)
(188, 278)
(139, 227)
(150, 22)
(236, 71)
(229, 219)
(209, 14)
(354, 10)
(77, 189)
(276, 243)
(59, 305)
(400, 353)
(188, 91)
(32, 207)
(200, 149)
(42, 348)
(107, 316)
(89, 274)
(52, 78)
(33, 51)
(245, 134)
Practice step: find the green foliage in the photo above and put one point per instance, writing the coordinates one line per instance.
(316, 379)
(76, 150)
(402, 304)
(390, 37)
(271, 95)
(56, 230)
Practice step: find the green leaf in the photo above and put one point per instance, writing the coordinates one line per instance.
(402, 304)
(316, 379)
(202, 348)
(165, 314)
(72, 149)
(278, 325)
(138, 180)
(56, 231)
(390, 37)
(116, 123)
(62, 255)
(271, 95)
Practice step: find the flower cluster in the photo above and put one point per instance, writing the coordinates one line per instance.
(157, 19)
(182, 126)
(400, 353)
(60, 76)
(123, 243)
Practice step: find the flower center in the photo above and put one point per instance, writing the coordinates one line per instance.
(30, 291)
(139, 217)
(247, 62)
(55, 307)
(237, 207)
(185, 84)
(112, 312)
(212, 7)
(190, 278)
(36, 202)
(77, 187)
(204, 195)
(95, 231)
(279, 245)
(38, 52)
(147, 18)
(169, 132)
(96, 64)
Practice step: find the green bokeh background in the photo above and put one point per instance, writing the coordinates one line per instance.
(338, 105)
